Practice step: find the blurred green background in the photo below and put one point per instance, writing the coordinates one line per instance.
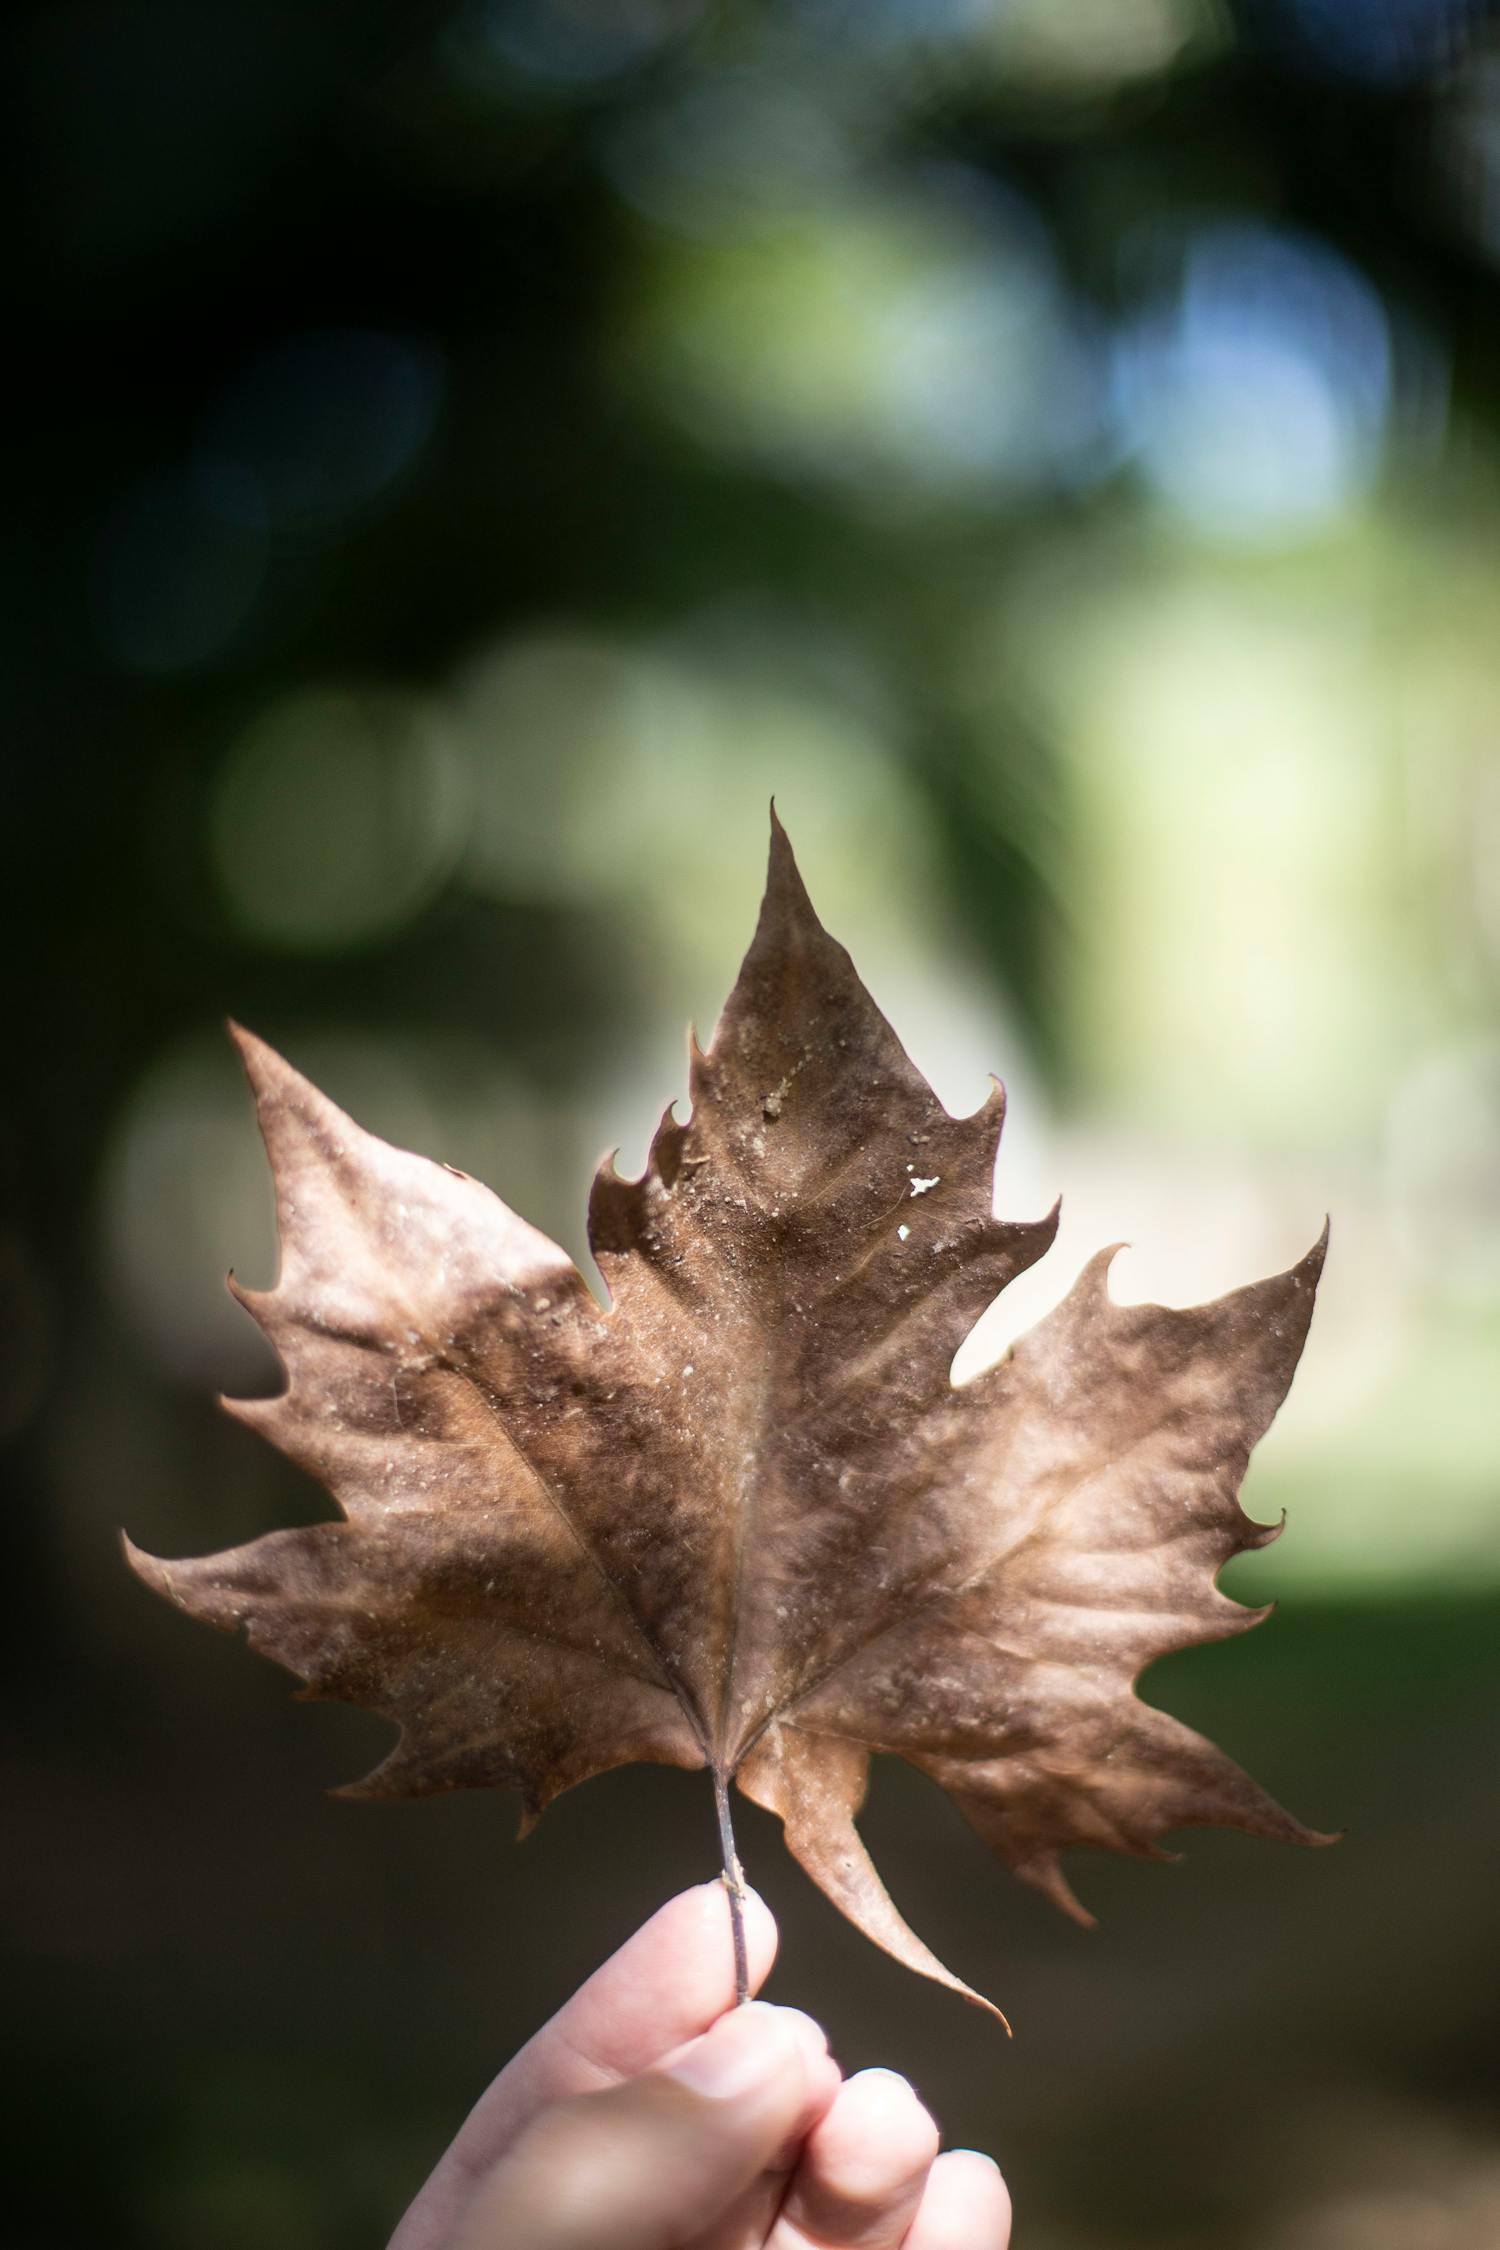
(466, 458)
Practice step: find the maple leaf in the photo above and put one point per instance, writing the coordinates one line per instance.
(742, 1518)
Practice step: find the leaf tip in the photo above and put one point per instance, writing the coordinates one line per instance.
(1095, 1275)
(1307, 1270)
(985, 2007)
(1264, 1535)
(786, 903)
(258, 1058)
(273, 1080)
(254, 1413)
(132, 1553)
(991, 1110)
(149, 1569)
(1044, 1874)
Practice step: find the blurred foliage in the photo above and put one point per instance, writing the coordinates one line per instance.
(466, 458)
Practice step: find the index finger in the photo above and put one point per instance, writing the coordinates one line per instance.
(665, 1986)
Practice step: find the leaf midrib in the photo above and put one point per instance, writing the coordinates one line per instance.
(490, 1400)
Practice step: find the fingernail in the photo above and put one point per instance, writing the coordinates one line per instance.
(745, 2050)
(887, 2085)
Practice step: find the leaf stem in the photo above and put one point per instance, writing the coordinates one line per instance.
(734, 1886)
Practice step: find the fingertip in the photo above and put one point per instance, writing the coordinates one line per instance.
(888, 2111)
(975, 2163)
(795, 2022)
(707, 1906)
(965, 2205)
(809, 2041)
(864, 2166)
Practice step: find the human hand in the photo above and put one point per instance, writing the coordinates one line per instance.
(651, 2114)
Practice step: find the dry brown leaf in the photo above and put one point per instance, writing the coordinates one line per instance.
(742, 1519)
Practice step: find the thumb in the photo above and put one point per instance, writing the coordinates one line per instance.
(649, 2163)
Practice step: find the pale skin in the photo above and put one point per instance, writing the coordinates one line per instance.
(653, 2114)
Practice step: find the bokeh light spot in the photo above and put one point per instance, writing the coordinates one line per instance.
(337, 817)
(1090, 47)
(1380, 43)
(1443, 1171)
(899, 23)
(595, 760)
(316, 429)
(635, 780)
(726, 152)
(564, 44)
(173, 581)
(1255, 392)
(922, 347)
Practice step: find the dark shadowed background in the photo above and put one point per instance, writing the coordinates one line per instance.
(466, 457)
